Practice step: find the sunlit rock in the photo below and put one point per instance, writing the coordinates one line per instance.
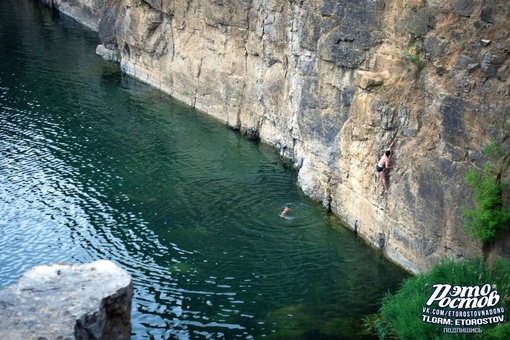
(62, 301)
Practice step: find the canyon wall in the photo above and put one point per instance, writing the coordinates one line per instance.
(330, 84)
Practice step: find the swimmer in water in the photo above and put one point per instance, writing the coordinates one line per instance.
(285, 212)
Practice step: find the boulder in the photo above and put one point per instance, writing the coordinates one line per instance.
(68, 301)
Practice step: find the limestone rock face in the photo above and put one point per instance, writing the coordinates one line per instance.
(87, 12)
(59, 301)
(330, 84)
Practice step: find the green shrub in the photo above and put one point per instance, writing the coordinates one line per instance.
(413, 55)
(489, 216)
(401, 314)
(501, 331)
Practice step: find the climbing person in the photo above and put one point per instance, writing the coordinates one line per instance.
(384, 165)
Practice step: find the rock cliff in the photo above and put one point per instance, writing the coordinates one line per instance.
(88, 301)
(330, 84)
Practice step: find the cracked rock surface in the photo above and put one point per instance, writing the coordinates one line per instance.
(68, 301)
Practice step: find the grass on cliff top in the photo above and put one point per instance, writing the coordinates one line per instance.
(401, 313)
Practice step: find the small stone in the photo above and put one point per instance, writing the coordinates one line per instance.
(367, 80)
(107, 54)
(485, 42)
(473, 66)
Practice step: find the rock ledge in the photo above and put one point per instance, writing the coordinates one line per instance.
(68, 301)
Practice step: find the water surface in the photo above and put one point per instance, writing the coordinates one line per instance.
(95, 165)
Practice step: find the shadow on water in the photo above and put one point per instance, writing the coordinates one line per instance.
(95, 165)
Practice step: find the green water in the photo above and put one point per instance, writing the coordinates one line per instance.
(95, 165)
